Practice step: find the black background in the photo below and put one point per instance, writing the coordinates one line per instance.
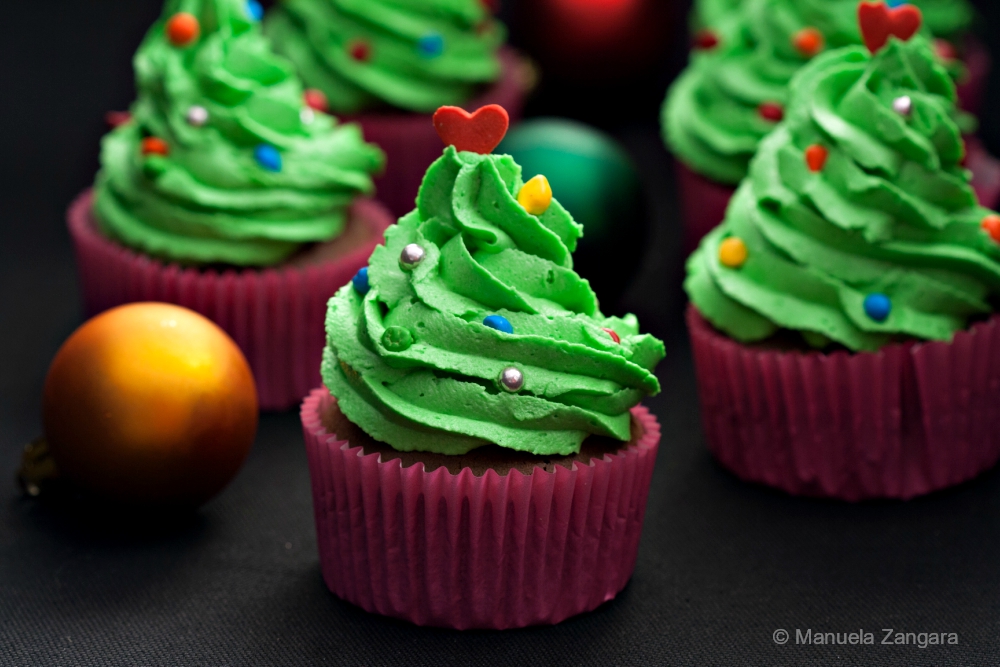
(722, 564)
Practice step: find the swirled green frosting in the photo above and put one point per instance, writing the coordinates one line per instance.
(890, 213)
(416, 55)
(209, 199)
(711, 118)
(946, 18)
(413, 364)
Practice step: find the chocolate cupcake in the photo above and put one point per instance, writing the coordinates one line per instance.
(843, 316)
(477, 454)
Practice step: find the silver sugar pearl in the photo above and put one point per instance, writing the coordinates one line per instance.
(412, 255)
(512, 379)
(197, 116)
(902, 105)
(307, 115)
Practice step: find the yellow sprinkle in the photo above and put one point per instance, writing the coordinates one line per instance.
(536, 195)
(733, 252)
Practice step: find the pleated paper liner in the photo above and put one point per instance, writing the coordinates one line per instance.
(898, 423)
(972, 90)
(411, 143)
(276, 315)
(703, 204)
(475, 549)
(985, 172)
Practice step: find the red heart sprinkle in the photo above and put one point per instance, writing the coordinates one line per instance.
(816, 157)
(879, 22)
(478, 132)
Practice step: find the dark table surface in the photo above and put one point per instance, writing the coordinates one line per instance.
(722, 565)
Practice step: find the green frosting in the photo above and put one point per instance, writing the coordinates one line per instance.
(711, 118)
(417, 55)
(946, 18)
(412, 363)
(209, 200)
(891, 213)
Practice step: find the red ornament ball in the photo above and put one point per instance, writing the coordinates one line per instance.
(155, 146)
(816, 156)
(771, 111)
(360, 50)
(316, 99)
(183, 29)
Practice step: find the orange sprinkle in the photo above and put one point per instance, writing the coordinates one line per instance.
(816, 156)
(155, 146)
(182, 29)
(808, 41)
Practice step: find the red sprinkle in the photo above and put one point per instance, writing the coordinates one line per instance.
(360, 50)
(315, 99)
(117, 118)
(771, 111)
(155, 146)
(706, 40)
(991, 224)
(614, 336)
(182, 29)
(808, 41)
(816, 156)
(945, 49)
(492, 6)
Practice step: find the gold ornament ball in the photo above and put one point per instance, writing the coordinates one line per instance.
(150, 403)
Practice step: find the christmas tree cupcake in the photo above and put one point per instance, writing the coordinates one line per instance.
(388, 64)
(470, 370)
(735, 90)
(224, 193)
(843, 319)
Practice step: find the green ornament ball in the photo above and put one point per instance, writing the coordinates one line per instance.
(594, 179)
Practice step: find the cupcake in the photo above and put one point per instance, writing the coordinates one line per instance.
(388, 65)
(735, 90)
(842, 317)
(224, 193)
(478, 455)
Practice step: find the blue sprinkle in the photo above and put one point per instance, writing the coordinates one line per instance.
(431, 45)
(255, 10)
(499, 323)
(267, 157)
(878, 307)
(360, 282)
(897, 3)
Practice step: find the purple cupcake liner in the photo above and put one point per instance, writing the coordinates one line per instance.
(275, 315)
(461, 551)
(898, 423)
